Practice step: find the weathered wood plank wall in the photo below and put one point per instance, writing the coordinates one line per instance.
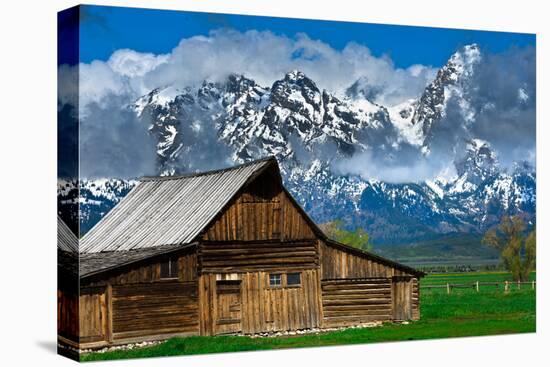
(147, 272)
(352, 301)
(263, 308)
(140, 303)
(67, 315)
(143, 309)
(207, 304)
(402, 294)
(252, 217)
(230, 257)
(93, 320)
(280, 308)
(415, 299)
(338, 263)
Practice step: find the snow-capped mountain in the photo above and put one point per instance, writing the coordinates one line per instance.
(309, 130)
(418, 120)
(283, 120)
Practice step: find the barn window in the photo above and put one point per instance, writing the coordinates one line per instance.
(169, 268)
(293, 279)
(275, 280)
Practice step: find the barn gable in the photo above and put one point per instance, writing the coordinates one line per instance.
(261, 211)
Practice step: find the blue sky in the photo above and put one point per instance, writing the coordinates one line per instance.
(104, 30)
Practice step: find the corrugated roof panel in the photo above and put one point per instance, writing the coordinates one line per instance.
(66, 239)
(168, 210)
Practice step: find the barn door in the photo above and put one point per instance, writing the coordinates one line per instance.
(402, 298)
(228, 315)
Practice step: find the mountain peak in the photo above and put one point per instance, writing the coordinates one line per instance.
(238, 83)
(296, 90)
(296, 79)
(462, 62)
(479, 162)
(295, 75)
(160, 96)
(450, 82)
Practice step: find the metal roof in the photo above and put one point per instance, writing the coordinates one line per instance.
(170, 210)
(66, 239)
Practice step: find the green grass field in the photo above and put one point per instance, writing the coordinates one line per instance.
(464, 312)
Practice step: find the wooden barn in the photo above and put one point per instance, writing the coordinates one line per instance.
(226, 251)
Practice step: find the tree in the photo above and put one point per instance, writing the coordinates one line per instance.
(518, 251)
(358, 238)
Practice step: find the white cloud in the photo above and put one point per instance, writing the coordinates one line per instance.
(120, 76)
(262, 56)
(132, 64)
(98, 83)
(402, 168)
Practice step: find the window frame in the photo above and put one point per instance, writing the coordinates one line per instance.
(280, 285)
(296, 285)
(170, 261)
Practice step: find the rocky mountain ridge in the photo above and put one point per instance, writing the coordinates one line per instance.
(310, 130)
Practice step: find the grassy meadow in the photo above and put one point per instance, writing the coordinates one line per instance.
(464, 312)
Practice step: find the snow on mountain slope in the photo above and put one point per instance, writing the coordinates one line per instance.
(218, 124)
(401, 116)
(478, 164)
(448, 85)
(291, 117)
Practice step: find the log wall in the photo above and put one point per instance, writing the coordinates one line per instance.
(148, 272)
(353, 301)
(232, 257)
(162, 308)
(134, 302)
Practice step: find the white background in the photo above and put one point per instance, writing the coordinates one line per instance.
(28, 181)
